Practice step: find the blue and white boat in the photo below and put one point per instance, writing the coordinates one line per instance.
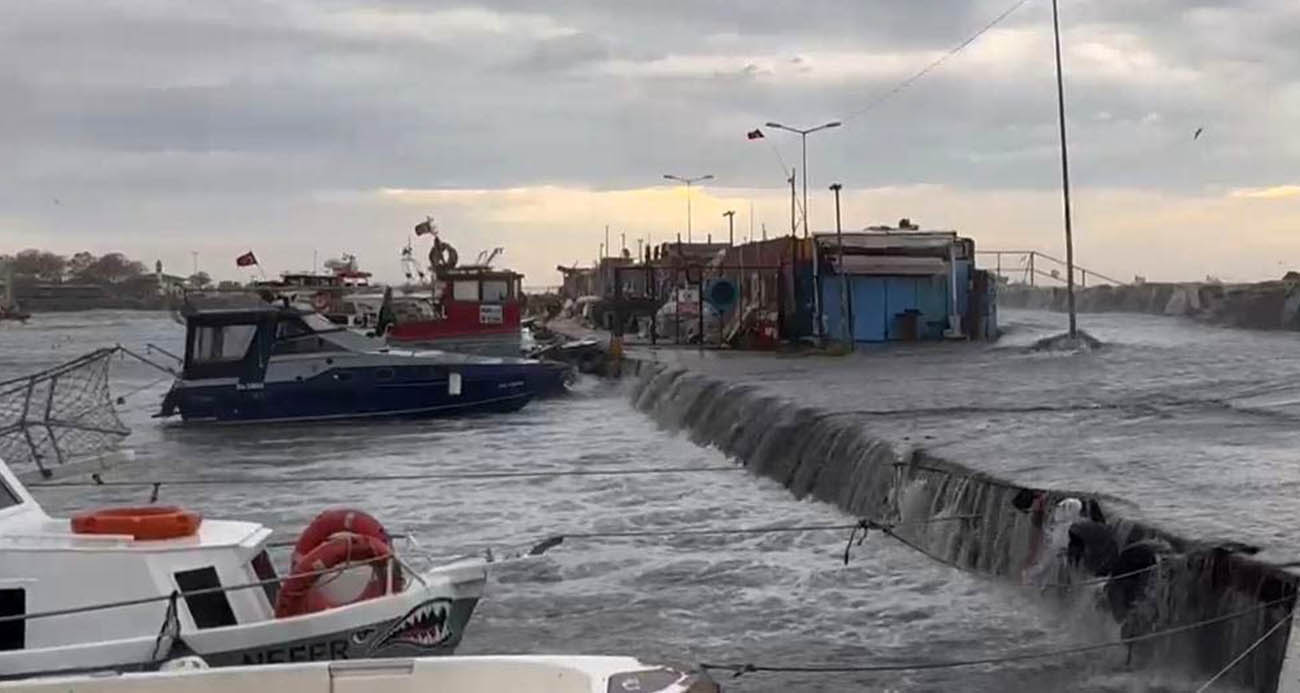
(272, 363)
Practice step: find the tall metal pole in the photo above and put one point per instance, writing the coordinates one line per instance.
(803, 136)
(731, 226)
(1065, 176)
(688, 211)
(794, 226)
(845, 330)
(606, 246)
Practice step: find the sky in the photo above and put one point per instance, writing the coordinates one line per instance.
(308, 128)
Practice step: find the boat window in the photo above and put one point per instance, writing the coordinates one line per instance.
(265, 572)
(8, 498)
(496, 290)
(384, 374)
(13, 634)
(209, 609)
(309, 344)
(291, 328)
(464, 290)
(222, 343)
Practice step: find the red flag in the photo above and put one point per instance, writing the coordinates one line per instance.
(246, 259)
(754, 134)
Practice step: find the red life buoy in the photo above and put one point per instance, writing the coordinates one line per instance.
(332, 522)
(320, 301)
(299, 594)
(144, 523)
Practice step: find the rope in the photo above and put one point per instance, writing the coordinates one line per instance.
(192, 593)
(1236, 660)
(138, 390)
(442, 476)
(740, 669)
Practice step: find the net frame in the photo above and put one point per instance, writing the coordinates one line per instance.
(59, 413)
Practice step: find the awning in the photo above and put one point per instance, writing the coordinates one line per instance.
(885, 241)
(892, 264)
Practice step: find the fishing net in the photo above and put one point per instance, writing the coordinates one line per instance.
(51, 417)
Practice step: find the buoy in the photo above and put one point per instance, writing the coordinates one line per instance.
(145, 523)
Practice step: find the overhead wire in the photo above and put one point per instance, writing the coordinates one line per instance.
(370, 478)
(904, 84)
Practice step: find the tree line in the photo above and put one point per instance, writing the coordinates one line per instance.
(42, 266)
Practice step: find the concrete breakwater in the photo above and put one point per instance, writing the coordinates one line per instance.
(1271, 305)
(835, 458)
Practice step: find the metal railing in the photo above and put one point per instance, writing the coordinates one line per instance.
(1029, 268)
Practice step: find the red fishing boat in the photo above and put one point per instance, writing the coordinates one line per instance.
(476, 307)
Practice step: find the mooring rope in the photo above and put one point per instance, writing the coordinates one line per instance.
(97, 480)
(741, 669)
(1237, 660)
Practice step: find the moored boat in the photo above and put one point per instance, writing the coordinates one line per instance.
(476, 308)
(130, 588)
(478, 674)
(264, 362)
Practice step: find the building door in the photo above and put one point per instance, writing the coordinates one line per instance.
(870, 319)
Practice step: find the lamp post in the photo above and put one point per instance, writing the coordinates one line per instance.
(845, 329)
(731, 226)
(803, 138)
(689, 182)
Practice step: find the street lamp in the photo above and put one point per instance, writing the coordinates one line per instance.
(688, 181)
(803, 137)
(731, 226)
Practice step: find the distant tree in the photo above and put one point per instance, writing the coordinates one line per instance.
(199, 279)
(227, 285)
(40, 264)
(78, 265)
(112, 268)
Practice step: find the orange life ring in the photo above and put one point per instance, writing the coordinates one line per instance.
(299, 595)
(333, 521)
(320, 301)
(145, 523)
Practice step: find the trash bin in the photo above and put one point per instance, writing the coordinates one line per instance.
(908, 324)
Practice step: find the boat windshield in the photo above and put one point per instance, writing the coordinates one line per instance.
(319, 323)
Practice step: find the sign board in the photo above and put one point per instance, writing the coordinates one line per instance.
(490, 315)
(689, 295)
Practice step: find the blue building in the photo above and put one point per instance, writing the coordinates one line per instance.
(902, 285)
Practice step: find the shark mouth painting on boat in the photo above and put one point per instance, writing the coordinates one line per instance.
(425, 626)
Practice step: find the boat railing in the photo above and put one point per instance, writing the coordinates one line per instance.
(177, 594)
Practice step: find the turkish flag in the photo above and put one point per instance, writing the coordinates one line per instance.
(246, 259)
(755, 134)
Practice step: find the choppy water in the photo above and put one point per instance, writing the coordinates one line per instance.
(782, 598)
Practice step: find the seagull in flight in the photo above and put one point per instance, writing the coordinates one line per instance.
(1197, 135)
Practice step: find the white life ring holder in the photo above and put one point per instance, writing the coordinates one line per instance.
(320, 301)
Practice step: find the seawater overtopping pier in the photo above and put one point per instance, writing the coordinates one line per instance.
(1016, 438)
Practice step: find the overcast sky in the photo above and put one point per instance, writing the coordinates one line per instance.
(161, 128)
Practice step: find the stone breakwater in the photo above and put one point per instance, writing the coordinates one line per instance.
(1264, 306)
(998, 528)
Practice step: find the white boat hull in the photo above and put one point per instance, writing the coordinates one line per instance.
(485, 674)
(427, 618)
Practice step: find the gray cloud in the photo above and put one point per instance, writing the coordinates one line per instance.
(155, 105)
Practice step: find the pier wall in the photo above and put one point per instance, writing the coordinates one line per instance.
(834, 457)
(1264, 306)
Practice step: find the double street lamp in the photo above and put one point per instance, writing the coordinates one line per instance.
(803, 136)
(689, 182)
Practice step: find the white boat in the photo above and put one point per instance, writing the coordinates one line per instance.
(75, 599)
(482, 674)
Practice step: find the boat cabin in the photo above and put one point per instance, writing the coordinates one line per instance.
(48, 566)
(476, 309)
